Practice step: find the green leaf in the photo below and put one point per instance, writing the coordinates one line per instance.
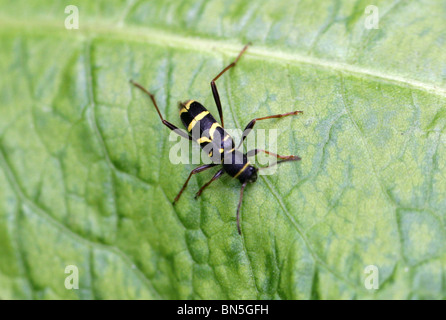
(85, 176)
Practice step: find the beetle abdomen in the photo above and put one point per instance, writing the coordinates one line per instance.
(204, 129)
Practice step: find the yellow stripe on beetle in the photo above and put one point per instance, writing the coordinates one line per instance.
(187, 105)
(204, 139)
(242, 169)
(196, 119)
(214, 127)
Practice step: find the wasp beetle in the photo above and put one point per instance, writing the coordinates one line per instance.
(210, 135)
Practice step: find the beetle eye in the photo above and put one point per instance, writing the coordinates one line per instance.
(253, 176)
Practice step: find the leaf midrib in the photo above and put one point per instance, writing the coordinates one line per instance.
(163, 38)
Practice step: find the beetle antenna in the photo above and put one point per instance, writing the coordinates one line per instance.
(290, 158)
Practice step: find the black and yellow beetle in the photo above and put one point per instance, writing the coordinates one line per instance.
(211, 135)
